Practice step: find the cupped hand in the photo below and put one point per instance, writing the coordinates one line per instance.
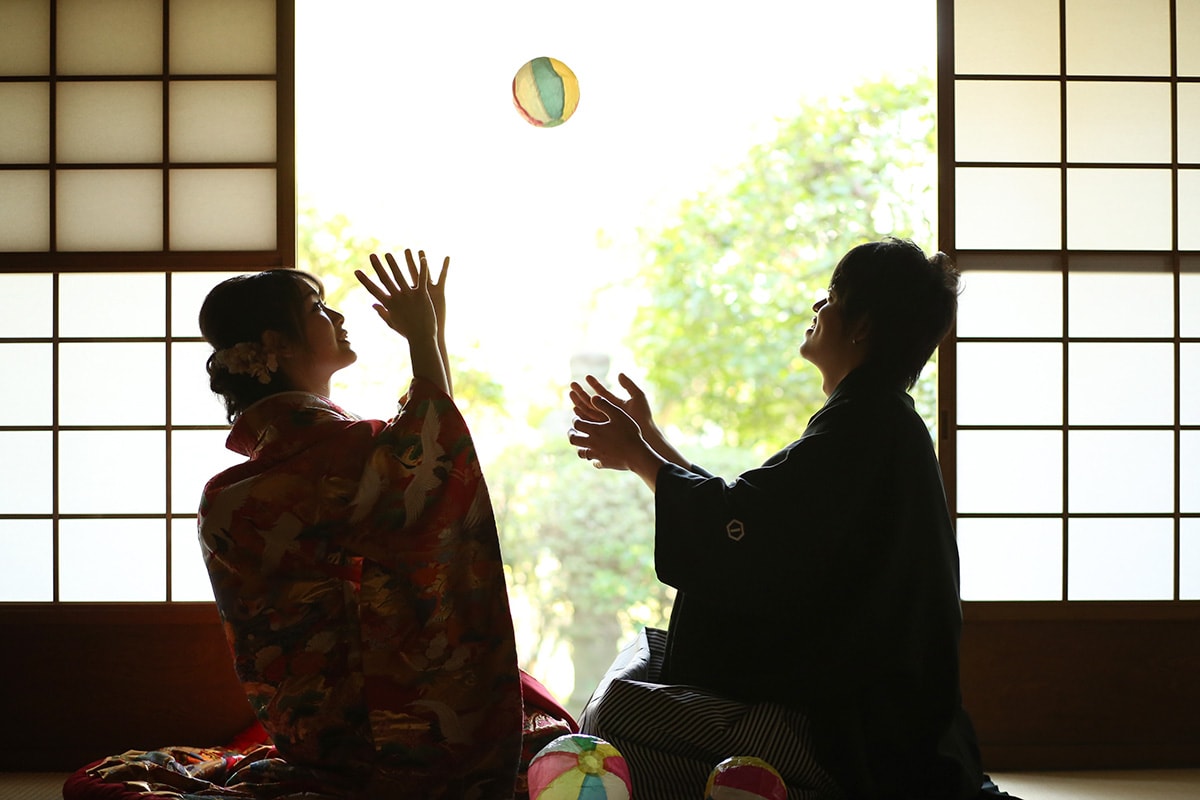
(608, 437)
(636, 406)
(409, 310)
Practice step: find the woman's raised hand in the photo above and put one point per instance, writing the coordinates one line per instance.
(437, 293)
(410, 309)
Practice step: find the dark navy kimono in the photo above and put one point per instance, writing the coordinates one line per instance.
(826, 581)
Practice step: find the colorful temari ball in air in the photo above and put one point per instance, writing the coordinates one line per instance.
(579, 767)
(745, 778)
(546, 92)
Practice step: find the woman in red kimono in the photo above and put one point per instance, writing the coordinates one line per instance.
(355, 563)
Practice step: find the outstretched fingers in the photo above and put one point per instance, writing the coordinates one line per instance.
(635, 392)
(397, 277)
(601, 390)
(581, 439)
(379, 291)
(582, 405)
(441, 278)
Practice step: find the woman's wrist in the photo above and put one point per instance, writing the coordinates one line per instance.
(427, 362)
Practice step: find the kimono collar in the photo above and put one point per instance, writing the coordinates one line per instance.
(866, 380)
(285, 422)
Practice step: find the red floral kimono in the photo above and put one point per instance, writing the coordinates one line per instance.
(357, 571)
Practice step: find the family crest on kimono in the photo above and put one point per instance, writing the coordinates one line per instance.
(817, 619)
(355, 565)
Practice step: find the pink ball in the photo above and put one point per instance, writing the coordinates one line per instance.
(745, 778)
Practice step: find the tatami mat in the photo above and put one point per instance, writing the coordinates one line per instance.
(31, 785)
(1138, 785)
(1181, 784)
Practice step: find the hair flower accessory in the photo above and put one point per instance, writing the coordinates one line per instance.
(247, 358)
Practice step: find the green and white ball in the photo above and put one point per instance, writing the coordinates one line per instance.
(546, 92)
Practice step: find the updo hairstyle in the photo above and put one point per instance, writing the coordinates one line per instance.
(242, 309)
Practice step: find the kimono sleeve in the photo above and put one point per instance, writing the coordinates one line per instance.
(421, 481)
(775, 531)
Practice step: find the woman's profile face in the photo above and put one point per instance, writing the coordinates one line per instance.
(326, 346)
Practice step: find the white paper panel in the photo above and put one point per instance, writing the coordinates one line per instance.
(110, 37)
(1010, 304)
(1098, 304)
(1189, 209)
(1008, 209)
(26, 472)
(112, 472)
(24, 123)
(1189, 559)
(1120, 472)
(222, 36)
(1189, 384)
(1007, 121)
(1015, 37)
(112, 560)
(1118, 37)
(1094, 398)
(222, 121)
(1010, 559)
(223, 209)
(1009, 383)
(25, 209)
(26, 376)
(95, 304)
(1188, 109)
(110, 209)
(88, 394)
(109, 122)
(1189, 471)
(1119, 209)
(1187, 37)
(26, 561)
(1120, 559)
(32, 316)
(25, 37)
(1118, 122)
(1189, 304)
(1002, 472)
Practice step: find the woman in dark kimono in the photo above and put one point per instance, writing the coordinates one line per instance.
(817, 620)
(355, 565)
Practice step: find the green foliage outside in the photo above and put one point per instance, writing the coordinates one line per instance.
(730, 284)
(331, 249)
(580, 546)
(727, 289)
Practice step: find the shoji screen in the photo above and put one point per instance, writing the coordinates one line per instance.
(145, 153)
(1075, 216)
